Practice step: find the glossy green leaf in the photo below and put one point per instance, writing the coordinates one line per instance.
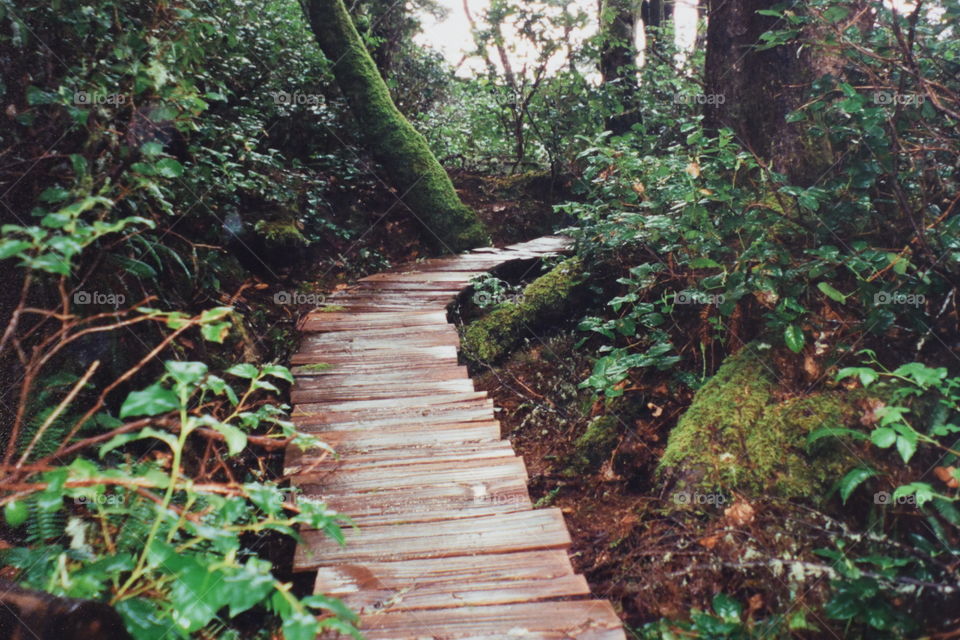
(151, 401)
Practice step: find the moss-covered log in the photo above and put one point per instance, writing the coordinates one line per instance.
(493, 336)
(738, 435)
(421, 182)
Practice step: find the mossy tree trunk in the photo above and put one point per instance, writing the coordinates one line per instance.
(411, 167)
(745, 433)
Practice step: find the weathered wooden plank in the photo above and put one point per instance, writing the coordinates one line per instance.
(544, 244)
(328, 343)
(472, 476)
(450, 400)
(306, 393)
(398, 354)
(396, 287)
(340, 321)
(375, 456)
(354, 377)
(567, 620)
(412, 299)
(407, 494)
(385, 331)
(409, 437)
(452, 582)
(370, 421)
(502, 533)
(455, 277)
(308, 462)
(473, 266)
(315, 422)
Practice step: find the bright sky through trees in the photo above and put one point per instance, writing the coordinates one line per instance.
(451, 35)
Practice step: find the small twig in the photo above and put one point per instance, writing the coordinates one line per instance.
(60, 408)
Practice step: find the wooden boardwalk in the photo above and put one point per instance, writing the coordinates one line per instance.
(447, 544)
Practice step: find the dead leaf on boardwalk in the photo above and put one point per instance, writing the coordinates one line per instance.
(740, 513)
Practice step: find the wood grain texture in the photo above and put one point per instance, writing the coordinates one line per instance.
(501, 533)
(452, 582)
(573, 620)
(446, 543)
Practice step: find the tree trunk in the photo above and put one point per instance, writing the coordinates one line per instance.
(421, 182)
(656, 16)
(755, 85)
(618, 58)
(760, 88)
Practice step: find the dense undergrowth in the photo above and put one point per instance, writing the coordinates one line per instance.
(809, 488)
(179, 181)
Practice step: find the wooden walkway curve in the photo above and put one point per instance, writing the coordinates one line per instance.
(447, 545)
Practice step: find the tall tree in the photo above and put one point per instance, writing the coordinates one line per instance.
(761, 84)
(421, 182)
(618, 61)
(509, 26)
(758, 87)
(656, 16)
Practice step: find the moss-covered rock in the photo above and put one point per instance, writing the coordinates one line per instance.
(595, 445)
(741, 433)
(280, 233)
(490, 338)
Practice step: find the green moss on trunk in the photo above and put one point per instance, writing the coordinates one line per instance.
(492, 337)
(412, 168)
(737, 435)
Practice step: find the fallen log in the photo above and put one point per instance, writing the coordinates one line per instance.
(36, 615)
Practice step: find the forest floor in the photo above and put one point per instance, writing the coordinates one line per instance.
(543, 414)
